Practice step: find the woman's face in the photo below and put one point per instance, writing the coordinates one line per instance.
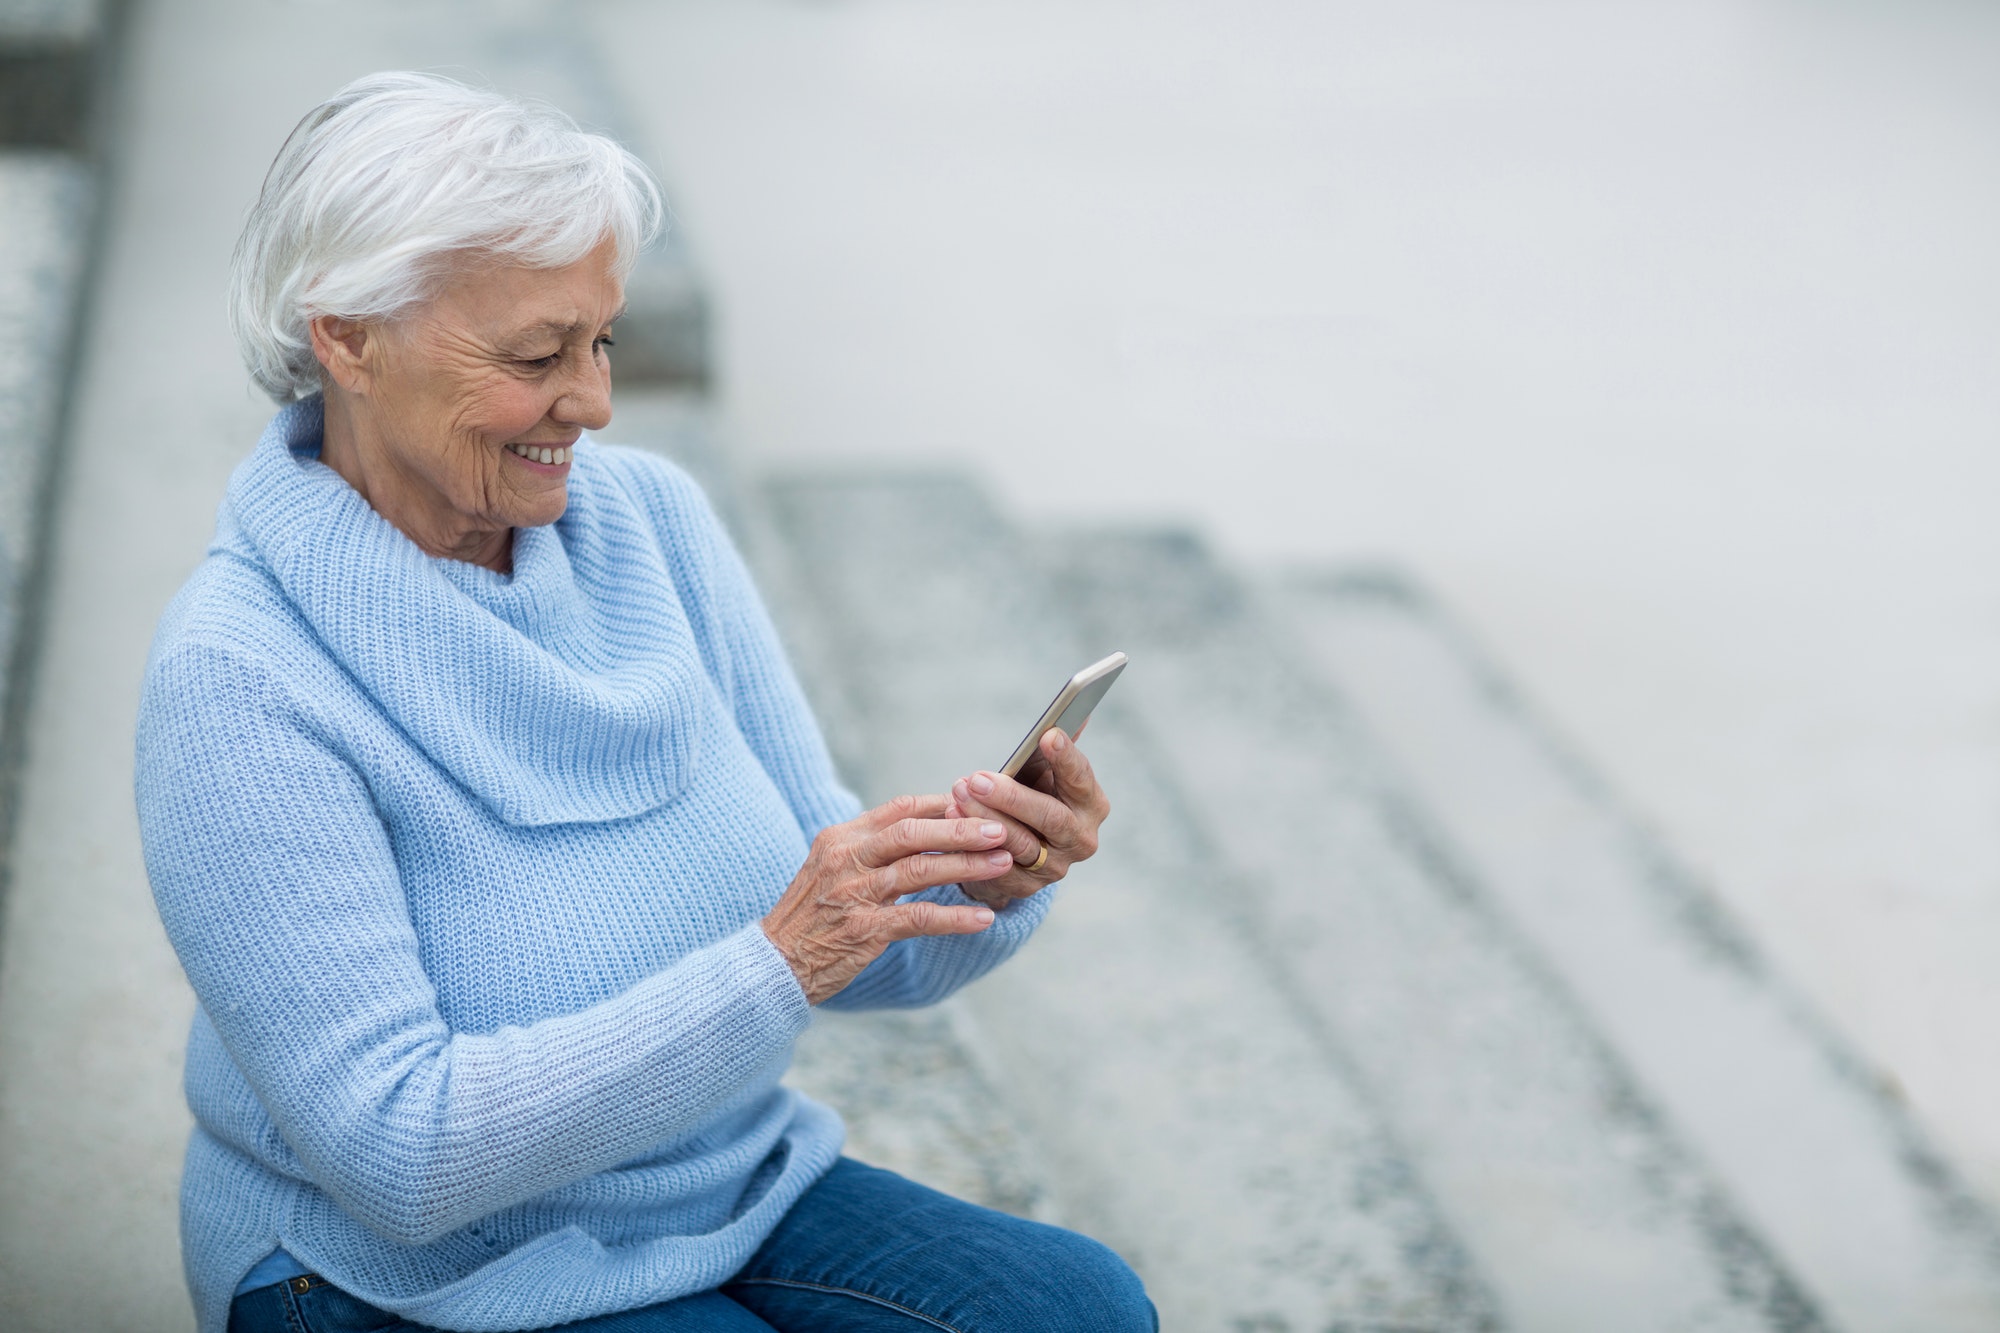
(444, 417)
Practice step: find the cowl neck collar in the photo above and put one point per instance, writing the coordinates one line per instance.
(571, 690)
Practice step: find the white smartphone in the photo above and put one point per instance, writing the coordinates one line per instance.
(1069, 710)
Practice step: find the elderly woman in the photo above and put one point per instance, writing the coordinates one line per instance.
(492, 828)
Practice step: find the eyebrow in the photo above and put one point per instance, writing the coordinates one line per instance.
(562, 330)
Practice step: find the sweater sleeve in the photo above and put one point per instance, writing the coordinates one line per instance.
(771, 710)
(277, 886)
(914, 973)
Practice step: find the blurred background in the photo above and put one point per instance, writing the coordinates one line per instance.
(1541, 457)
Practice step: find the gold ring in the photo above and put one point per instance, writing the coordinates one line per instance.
(1040, 861)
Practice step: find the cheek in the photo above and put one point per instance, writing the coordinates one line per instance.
(496, 412)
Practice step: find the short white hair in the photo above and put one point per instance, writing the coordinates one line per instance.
(393, 179)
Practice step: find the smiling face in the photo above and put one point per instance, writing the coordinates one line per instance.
(442, 419)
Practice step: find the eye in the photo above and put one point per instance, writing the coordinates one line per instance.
(603, 341)
(548, 362)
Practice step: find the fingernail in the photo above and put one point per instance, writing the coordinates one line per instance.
(985, 916)
(990, 830)
(980, 784)
(1000, 858)
(958, 789)
(1057, 739)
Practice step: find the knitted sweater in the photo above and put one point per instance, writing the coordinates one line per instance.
(466, 871)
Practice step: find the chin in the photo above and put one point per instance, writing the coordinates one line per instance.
(542, 513)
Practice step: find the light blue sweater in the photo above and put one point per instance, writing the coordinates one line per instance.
(466, 871)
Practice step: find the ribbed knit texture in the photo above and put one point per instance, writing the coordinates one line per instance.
(466, 871)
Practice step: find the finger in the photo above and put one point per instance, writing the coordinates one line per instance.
(908, 837)
(1049, 819)
(904, 807)
(1021, 840)
(1035, 773)
(913, 874)
(912, 919)
(1011, 887)
(1075, 782)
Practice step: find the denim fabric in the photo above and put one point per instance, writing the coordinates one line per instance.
(865, 1251)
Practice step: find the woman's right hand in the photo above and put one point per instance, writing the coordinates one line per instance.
(841, 911)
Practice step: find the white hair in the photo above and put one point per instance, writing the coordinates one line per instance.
(384, 185)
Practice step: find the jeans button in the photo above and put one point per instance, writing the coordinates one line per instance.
(302, 1285)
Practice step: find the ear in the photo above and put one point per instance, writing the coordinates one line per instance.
(344, 348)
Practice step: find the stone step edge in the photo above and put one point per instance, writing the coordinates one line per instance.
(61, 65)
(1717, 954)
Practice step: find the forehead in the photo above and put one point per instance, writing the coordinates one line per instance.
(516, 301)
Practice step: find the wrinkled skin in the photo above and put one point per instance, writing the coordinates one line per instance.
(1057, 803)
(841, 911)
(420, 412)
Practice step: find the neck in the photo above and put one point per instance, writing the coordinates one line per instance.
(352, 447)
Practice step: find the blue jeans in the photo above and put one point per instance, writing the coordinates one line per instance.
(865, 1251)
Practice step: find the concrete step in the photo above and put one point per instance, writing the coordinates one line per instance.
(52, 54)
(1178, 1101)
(1575, 1194)
(917, 1100)
(90, 1020)
(1815, 1148)
(46, 200)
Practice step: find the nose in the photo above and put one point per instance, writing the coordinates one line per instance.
(586, 396)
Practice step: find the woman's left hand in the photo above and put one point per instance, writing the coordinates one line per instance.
(1057, 803)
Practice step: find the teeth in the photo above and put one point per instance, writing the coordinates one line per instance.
(537, 454)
